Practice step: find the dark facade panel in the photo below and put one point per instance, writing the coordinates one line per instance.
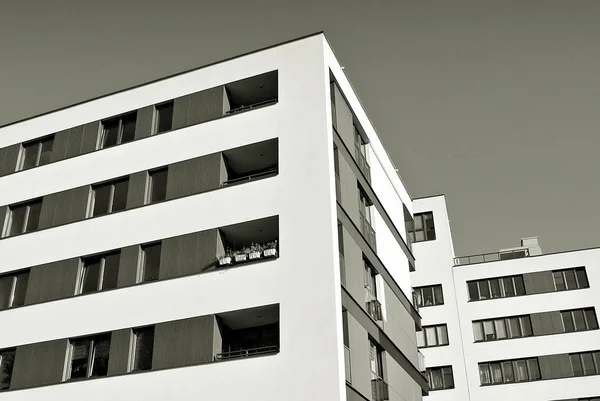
(59, 147)
(48, 210)
(181, 111)
(128, 265)
(545, 371)
(184, 342)
(52, 281)
(118, 361)
(537, 324)
(545, 321)
(39, 364)
(136, 192)
(90, 137)
(194, 176)
(188, 254)
(64, 207)
(3, 213)
(75, 141)
(80, 202)
(8, 159)
(145, 119)
(564, 361)
(206, 105)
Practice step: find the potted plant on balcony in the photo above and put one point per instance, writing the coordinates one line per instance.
(242, 254)
(225, 258)
(255, 251)
(270, 249)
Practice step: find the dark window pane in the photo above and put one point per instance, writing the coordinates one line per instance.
(102, 199)
(579, 320)
(7, 359)
(592, 321)
(495, 285)
(588, 364)
(581, 278)
(20, 289)
(17, 219)
(110, 136)
(111, 271)
(488, 330)
(448, 377)
(430, 234)
(576, 364)
(567, 320)
(91, 276)
(128, 128)
(427, 296)
(151, 262)
(144, 344)
(507, 369)
(30, 152)
(33, 218)
(515, 327)
(442, 335)
(120, 196)
(500, 328)
(478, 331)
(484, 290)
(79, 358)
(508, 287)
(164, 116)
(484, 373)
(519, 285)
(473, 291)
(526, 326)
(534, 369)
(158, 185)
(521, 370)
(5, 291)
(100, 362)
(570, 280)
(496, 371)
(438, 295)
(437, 381)
(46, 151)
(559, 283)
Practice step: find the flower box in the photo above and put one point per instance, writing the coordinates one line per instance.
(241, 257)
(225, 261)
(270, 252)
(254, 255)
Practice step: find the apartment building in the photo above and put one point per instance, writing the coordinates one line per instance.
(508, 325)
(232, 232)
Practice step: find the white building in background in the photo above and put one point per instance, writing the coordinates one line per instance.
(508, 325)
(236, 232)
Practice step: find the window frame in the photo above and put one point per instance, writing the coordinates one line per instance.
(3, 353)
(119, 119)
(443, 371)
(91, 357)
(514, 364)
(578, 273)
(150, 187)
(112, 184)
(422, 218)
(9, 219)
(131, 361)
(157, 114)
(422, 334)
(15, 278)
(523, 322)
(141, 273)
(433, 287)
(39, 144)
(84, 266)
(490, 290)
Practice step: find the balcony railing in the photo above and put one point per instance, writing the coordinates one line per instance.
(245, 353)
(367, 231)
(491, 257)
(415, 300)
(374, 309)
(421, 361)
(347, 364)
(263, 174)
(251, 106)
(343, 269)
(380, 389)
(362, 161)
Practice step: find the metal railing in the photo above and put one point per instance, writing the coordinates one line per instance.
(491, 257)
(362, 162)
(347, 364)
(250, 177)
(251, 106)
(342, 269)
(245, 353)
(421, 361)
(367, 230)
(380, 389)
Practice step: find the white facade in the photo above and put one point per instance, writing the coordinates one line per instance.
(304, 281)
(459, 312)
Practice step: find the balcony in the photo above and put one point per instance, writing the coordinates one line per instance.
(491, 257)
(380, 389)
(251, 241)
(250, 163)
(343, 269)
(421, 362)
(367, 231)
(374, 310)
(347, 364)
(251, 93)
(249, 333)
(362, 161)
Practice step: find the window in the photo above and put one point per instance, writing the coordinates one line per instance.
(579, 320)
(35, 153)
(150, 263)
(432, 336)
(498, 329)
(585, 363)
(12, 290)
(429, 295)
(99, 273)
(376, 360)
(23, 218)
(89, 357)
(423, 228)
(517, 370)
(118, 130)
(570, 279)
(496, 288)
(164, 117)
(142, 346)
(157, 187)
(440, 378)
(7, 358)
(109, 197)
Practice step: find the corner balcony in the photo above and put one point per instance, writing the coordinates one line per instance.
(251, 93)
(251, 241)
(249, 163)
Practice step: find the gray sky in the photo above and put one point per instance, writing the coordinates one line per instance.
(494, 103)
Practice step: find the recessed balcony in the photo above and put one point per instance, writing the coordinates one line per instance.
(251, 93)
(248, 163)
(251, 241)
